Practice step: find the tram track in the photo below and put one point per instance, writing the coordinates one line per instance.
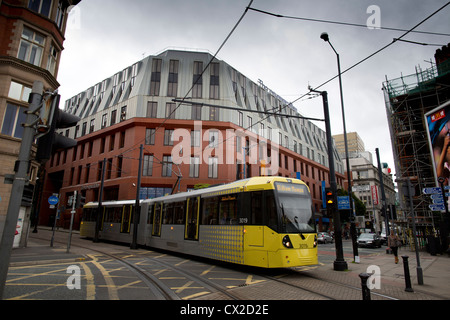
(160, 290)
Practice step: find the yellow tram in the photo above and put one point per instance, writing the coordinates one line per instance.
(265, 222)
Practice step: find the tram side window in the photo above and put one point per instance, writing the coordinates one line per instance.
(168, 213)
(228, 210)
(257, 208)
(89, 214)
(113, 214)
(210, 213)
(271, 210)
(179, 212)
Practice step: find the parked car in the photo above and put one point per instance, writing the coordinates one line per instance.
(324, 237)
(370, 240)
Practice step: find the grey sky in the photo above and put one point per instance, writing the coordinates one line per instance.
(104, 37)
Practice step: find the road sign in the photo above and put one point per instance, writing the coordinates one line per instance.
(431, 190)
(53, 200)
(343, 203)
(436, 207)
(438, 201)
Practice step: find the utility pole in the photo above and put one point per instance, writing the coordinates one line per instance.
(137, 209)
(20, 179)
(339, 264)
(100, 208)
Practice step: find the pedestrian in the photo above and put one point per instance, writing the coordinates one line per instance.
(393, 243)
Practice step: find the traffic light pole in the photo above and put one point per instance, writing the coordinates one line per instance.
(20, 179)
(339, 264)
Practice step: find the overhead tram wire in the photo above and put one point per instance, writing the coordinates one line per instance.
(199, 77)
(344, 23)
(376, 52)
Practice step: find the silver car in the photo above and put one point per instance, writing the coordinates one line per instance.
(324, 237)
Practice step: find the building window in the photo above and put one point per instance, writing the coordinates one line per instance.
(59, 18)
(148, 165)
(214, 81)
(99, 170)
(102, 145)
(167, 166)
(197, 81)
(12, 121)
(152, 109)
(173, 78)
(124, 79)
(119, 166)
(92, 126)
(196, 112)
(19, 92)
(115, 82)
(122, 139)
(194, 167)
(31, 47)
(240, 119)
(213, 139)
(52, 59)
(170, 110)
(155, 80)
(168, 137)
(134, 71)
(195, 138)
(213, 164)
(112, 142)
(104, 120)
(123, 113)
(40, 6)
(150, 137)
(113, 117)
(214, 114)
(83, 129)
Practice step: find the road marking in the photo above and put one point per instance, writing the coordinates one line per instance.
(112, 290)
(90, 285)
(196, 295)
(207, 271)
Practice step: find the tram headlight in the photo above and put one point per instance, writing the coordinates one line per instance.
(287, 242)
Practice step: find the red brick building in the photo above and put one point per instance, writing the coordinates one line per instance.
(31, 42)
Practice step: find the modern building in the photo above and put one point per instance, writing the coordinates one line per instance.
(367, 187)
(408, 99)
(199, 120)
(354, 144)
(31, 42)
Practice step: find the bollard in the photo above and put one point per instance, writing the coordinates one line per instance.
(365, 289)
(407, 276)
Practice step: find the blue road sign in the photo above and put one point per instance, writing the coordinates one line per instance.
(438, 201)
(53, 200)
(436, 207)
(431, 190)
(343, 203)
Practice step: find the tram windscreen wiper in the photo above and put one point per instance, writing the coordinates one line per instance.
(298, 227)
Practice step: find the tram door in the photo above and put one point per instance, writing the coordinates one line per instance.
(192, 217)
(157, 219)
(126, 219)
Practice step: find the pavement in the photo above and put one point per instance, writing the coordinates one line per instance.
(389, 285)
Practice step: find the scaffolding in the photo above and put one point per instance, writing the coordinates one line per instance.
(407, 99)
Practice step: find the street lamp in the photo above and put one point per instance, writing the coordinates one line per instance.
(324, 37)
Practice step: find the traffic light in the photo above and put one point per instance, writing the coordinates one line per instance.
(52, 118)
(80, 201)
(329, 198)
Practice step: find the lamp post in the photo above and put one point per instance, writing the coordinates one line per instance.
(339, 264)
(324, 37)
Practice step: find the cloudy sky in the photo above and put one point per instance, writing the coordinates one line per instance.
(104, 37)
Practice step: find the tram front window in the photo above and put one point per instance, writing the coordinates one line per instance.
(296, 210)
